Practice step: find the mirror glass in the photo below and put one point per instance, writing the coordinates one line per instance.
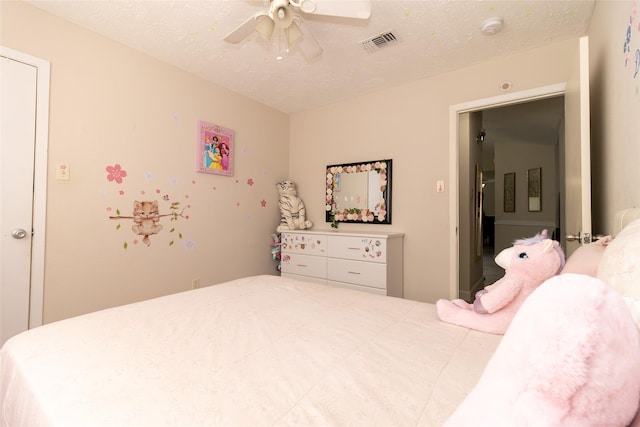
(359, 192)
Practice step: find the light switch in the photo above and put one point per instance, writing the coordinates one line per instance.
(62, 172)
(440, 186)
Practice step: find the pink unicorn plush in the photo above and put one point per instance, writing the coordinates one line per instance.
(527, 265)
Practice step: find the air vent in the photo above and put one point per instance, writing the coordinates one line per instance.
(380, 41)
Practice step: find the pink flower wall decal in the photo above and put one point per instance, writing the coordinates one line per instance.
(263, 203)
(115, 173)
(250, 182)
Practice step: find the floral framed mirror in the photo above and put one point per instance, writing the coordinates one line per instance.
(359, 192)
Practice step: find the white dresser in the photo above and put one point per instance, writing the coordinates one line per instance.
(370, 261)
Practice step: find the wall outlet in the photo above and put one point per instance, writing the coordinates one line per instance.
(195, 283)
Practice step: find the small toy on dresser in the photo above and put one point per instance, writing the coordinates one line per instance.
(292, 212)
(528, 263)
(276, 250)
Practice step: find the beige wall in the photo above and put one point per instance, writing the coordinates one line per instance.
(410, 124)
(615, 111)
(519, 158)
(112, 105)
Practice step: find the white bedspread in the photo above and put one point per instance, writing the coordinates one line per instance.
(257, 351)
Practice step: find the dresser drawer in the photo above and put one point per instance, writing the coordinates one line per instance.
(357, 272)
(370, 249)
(304, 265)
(300, 243)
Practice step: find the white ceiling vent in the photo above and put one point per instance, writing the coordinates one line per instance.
(375, 43)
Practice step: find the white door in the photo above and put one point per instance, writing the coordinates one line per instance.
(24, 139)
(17, 137)
(577, 146)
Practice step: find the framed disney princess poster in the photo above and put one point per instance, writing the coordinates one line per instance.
(215, 149)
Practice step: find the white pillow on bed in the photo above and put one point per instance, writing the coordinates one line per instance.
(620, 266)
(586, 259)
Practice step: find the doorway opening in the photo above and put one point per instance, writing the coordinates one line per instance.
(463, 251)
(518, 141)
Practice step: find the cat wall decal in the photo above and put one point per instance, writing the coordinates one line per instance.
(146, 216)
(146, 219)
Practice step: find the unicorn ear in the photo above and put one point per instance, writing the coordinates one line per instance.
(544, 234)
(547, 245)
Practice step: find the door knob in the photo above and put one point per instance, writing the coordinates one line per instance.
(18, 233)
(582, 238)
(571, 237)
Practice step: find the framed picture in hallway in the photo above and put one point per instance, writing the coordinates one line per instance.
(510, 192)
(534, 189)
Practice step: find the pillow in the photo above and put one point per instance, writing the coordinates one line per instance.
(569, 358)
(586, 258)
(620, 266)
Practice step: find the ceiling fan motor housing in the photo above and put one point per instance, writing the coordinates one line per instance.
(284, 15)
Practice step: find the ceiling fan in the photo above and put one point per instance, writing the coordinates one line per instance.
(283, 16)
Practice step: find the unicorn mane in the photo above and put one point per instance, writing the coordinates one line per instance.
(532, 240)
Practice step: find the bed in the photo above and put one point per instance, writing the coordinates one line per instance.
(257, 351)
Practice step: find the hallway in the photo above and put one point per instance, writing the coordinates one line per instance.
(492, 271)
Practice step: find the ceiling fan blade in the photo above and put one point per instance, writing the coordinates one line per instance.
(244, 30)
(308, 44)
(360, 9)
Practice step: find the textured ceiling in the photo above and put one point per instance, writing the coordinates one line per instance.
(436, 36)
(535, 122)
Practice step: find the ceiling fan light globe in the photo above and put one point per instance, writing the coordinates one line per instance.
(265, 27)
(282, 16)
(307, 6)
(293, 33)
